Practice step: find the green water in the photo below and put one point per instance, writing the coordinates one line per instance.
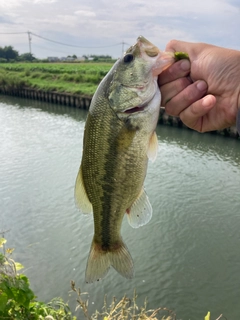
(187, 258)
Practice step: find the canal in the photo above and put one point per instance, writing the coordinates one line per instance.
(187, 258)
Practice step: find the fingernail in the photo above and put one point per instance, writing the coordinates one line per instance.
(202, 85)
(185, 65)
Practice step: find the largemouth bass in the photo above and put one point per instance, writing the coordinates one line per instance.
(119, 138)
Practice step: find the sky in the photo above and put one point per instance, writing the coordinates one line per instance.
(109, 27)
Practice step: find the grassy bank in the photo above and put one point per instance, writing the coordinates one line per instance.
(76, 78)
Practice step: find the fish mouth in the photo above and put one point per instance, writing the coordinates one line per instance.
(140, 108)
(147, 47)
(136, 109)
(145, 102)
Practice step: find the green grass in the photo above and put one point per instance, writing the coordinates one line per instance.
(76, 78)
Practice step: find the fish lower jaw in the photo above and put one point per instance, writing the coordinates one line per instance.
(140, 108)
(136, 109)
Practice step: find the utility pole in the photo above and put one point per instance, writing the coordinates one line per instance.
(29, 41)
(123, 47)
(123, 43)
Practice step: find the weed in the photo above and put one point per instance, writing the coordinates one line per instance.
(17, 300)
(124, 309)
(81, 78)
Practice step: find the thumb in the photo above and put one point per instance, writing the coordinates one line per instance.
(196, 115)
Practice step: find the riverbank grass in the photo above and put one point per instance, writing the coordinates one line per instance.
(74, 78)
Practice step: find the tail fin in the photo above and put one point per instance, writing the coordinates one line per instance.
(99, 262)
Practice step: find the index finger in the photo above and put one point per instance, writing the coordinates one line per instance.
(177, 45)
(177, 70)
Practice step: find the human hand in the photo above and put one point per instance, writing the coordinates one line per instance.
(204, 93)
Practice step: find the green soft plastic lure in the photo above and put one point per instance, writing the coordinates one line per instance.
(181, 55)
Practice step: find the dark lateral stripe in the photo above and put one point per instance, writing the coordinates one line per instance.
(108, 190)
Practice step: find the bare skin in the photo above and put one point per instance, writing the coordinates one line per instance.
(205, 92)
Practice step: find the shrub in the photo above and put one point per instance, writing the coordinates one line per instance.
(17, 300)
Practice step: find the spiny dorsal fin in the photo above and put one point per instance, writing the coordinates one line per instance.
(140, 212)
(153, 147)
(81, 197)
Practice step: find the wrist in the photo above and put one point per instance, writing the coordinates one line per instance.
(234, 83)
(238, 121)
(238, 100)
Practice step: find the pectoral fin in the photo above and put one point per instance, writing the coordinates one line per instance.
(81, 197)
(140, 212)
(153, 147)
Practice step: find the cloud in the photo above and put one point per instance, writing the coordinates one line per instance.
(85, 13)
(105, 22)
(5, 20)
(19, 3)
(10, 4)
(43, 1)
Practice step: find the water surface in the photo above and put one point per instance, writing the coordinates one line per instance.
(187, 258)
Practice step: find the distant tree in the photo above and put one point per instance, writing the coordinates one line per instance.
(10, 53)
(2, 53)
(74, 56)
(101, 57)
(27, 57)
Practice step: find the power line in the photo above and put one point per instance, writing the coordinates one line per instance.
(71, 45)
(29, 33)
(12, 32)
(47, 48)
(58, 42)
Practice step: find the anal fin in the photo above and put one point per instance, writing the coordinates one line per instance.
(140, 212)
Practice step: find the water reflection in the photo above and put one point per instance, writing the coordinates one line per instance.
(208, 143)
(77, 114)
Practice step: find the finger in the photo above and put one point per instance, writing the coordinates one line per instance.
(171, 89)
(193, 116)
(176, 45)
(177, 70)
(185, 98)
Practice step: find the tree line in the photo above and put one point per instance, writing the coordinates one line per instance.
(8, 54)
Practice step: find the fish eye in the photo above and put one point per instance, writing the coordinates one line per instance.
(128, 58)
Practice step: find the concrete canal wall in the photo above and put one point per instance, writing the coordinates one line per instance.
(83, 102)
(76, 101)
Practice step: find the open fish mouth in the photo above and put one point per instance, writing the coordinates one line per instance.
(145, 103)
(136, 109)
(141, 107)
